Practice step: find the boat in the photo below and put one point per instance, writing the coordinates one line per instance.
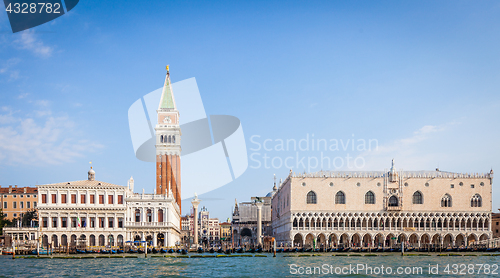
(41, 251)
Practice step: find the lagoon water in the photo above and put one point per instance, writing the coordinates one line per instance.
(281, 266)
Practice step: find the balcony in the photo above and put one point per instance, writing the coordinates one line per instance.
(396, 208)
(148, 224)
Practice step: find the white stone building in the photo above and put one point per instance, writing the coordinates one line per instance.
(383, 208)
(86, 212)
(154, 218)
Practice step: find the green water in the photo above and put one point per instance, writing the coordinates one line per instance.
(281, 266)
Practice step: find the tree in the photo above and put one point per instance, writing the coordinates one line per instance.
(3, 221)
(28, 217)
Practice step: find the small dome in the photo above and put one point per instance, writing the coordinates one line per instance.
(91, 174)
(270, 194)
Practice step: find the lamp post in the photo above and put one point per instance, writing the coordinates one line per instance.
(195, 202)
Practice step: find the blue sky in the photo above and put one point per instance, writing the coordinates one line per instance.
(421, 78)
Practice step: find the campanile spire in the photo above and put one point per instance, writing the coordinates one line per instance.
(168, 144)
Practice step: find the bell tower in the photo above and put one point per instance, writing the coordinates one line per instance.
(168, 144)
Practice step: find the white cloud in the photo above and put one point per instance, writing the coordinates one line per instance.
(23, 95)
(6, 69)
(414, 150)
(47, 140)
(29, 41)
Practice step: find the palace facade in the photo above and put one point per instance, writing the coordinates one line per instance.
(370, 209)
(85, 213)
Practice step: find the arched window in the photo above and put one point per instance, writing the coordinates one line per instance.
(170, 139)
(446, 201)
(173, 139)
(369, 198)
(393, 201)
(149, 216)
(137, 215)
(160, 215)
(476, 201)
(161, 138)
(418, 198)
(311, 197)
(340, 198)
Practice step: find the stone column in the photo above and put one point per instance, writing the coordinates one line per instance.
(195, 203)
(259, 222)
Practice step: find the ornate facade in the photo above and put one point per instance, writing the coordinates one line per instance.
(244, 222)
(382, 208)
(153, 218)
(86, 212)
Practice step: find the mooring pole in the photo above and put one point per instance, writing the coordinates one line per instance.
(274, 243)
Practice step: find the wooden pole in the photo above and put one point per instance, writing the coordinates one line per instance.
(274, 245)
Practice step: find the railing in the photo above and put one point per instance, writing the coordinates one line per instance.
(382, 174)
(148, 224)
(389, 208)
(419, 229)
(19, 229)
(139, 196)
